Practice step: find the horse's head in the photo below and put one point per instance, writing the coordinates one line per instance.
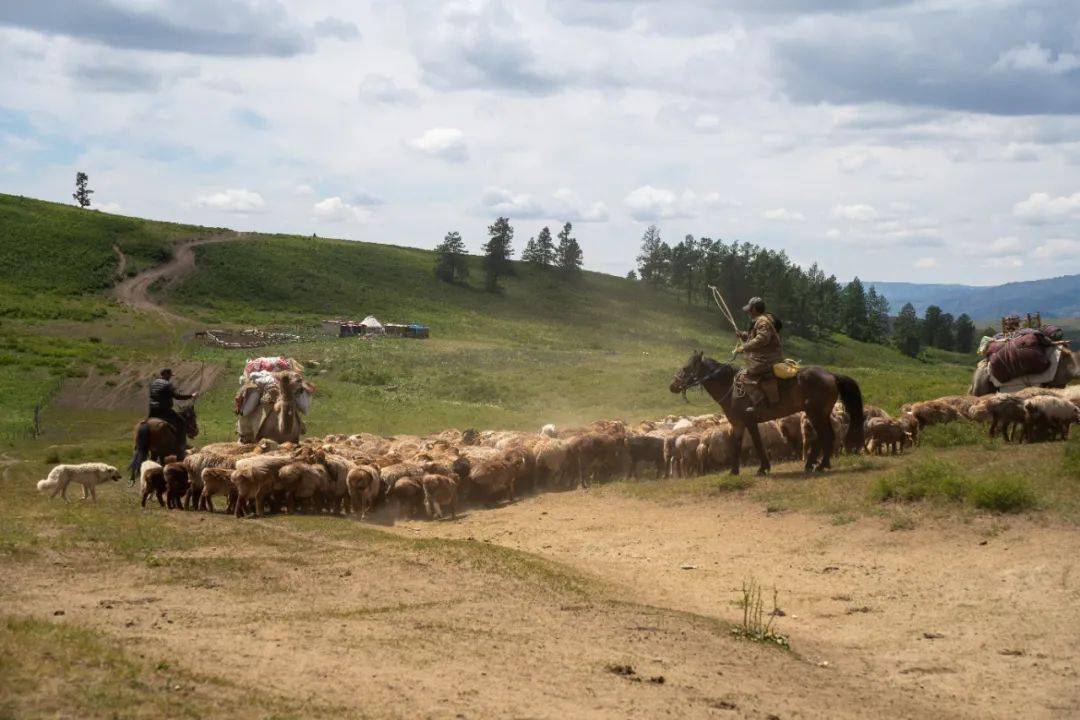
(696, 369)
(191, 424)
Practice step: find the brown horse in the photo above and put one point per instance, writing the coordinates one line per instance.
(155, 439)
(813, 390)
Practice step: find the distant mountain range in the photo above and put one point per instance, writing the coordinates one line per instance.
(1053, 297)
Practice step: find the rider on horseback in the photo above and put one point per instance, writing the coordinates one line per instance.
(162, 394)
(761, 345)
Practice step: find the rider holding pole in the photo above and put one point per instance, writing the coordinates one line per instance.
(162, 394)
(762, 348)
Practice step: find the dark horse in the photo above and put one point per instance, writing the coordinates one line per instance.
(156, 439)
(813, 390)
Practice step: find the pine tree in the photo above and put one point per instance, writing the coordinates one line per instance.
(686, 260)
(855, 317)
(545, 248)
(654, 260)
(945, 339)
(568, 254)
(931, 326)
(82, 192)
(529, 254)
(964, 340)
(878, 311)
(497, 253)
(632, 275)
(451, 262)
(906, 331)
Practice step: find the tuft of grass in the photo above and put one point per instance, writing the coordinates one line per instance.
(902, 522)
(757, 625)
(1005, 494)
(1070, 461)
(943, 481)
(957, 434)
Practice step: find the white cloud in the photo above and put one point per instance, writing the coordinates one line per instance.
(833, 233)
(302, 189)
(853, 162)
(1005, 262)
(1032, 57)
(501, 201)
(109, 207)
(383, 89)
(648, 203)
(334, 209)
(926, 263)
(856, 213)
(783, 215)
(1057, 249)
(564, 206)
(233, 200)
(442, 142)
(1020, 152)
(707, 122)
(1043, 208)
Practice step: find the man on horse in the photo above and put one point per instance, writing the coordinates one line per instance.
(162, 394)
(761, 345)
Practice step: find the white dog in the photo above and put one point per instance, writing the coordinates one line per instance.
(88, 475)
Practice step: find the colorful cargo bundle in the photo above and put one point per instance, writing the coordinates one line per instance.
(272, 397)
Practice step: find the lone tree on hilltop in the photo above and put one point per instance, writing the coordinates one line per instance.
(568, 255)
(451, 263)
(497, 253)
(82, 192)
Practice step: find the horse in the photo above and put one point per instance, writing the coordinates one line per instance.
(156, 439)
(813, 390)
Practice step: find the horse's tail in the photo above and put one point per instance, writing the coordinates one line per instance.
(142, 450)
(851, 396)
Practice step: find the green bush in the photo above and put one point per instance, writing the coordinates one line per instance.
(944, 481)
(956, 434)
(1007, 493)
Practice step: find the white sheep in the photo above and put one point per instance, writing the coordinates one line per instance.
(1055, 413)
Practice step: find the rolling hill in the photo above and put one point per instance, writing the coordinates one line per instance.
(1053, 297)
(546, 349)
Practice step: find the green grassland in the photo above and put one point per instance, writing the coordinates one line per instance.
(546, 349)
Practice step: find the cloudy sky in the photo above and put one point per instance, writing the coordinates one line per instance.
(931, 140)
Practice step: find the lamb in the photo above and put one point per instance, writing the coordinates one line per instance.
(647, 449)
(684, 462)
(365, 485)
(1047, 414)
(1005, 411)
(408, 495)
(254, 478)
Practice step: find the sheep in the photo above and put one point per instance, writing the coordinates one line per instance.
(216, 481)
(176, 485)
(1005, 411)
(365, 485)
(685, 463)
(932, 412)
(440, 491)
(911, 426)
(886, 434)
(714, 450)
(408, 495)
(647, 449)
(152, 481)
(254, 478)
(1046, 414)
(549, 431)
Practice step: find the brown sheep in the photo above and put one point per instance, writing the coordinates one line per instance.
(152, 477)
(911, 426)
(491, 478)
(886, 434)
(176, 485)
(1050, 417)
(1005, 412)
(365, 485)
(440, 491)
(216, 481)
(408, 495)
(255, 478)
(646, 449)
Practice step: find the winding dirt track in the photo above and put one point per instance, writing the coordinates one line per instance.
(135, 291)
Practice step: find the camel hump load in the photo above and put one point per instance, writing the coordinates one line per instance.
(1023, 354)
(272, 398)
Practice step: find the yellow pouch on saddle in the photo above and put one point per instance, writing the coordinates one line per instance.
(785, 370)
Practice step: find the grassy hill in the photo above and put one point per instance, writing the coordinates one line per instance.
(546, 349)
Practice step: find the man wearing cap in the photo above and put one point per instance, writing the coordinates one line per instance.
(162, 394)
(761, 345)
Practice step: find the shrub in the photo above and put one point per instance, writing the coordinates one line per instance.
(920, 480)
(1006, 493)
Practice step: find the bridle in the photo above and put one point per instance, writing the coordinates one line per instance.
(700, 382)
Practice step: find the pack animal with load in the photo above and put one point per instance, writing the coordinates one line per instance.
(1020, 357)
(272, 398)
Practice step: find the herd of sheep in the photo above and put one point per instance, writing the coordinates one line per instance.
(427, 476)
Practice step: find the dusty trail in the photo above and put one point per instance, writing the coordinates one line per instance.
(135, 291)
(979, 618)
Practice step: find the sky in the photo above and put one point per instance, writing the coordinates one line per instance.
(898, 140)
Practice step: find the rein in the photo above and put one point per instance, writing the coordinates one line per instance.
(699, 382)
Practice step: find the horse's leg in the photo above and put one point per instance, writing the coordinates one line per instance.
(759, 448)
(735, 443)
(826, 438)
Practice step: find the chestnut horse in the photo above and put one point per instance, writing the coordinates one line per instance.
(813, 390)
(155, 439)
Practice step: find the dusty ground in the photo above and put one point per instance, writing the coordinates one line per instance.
(519, 611)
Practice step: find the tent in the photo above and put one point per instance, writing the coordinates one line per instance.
(372, 326)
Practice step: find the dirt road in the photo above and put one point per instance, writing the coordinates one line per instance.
(135, 291)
